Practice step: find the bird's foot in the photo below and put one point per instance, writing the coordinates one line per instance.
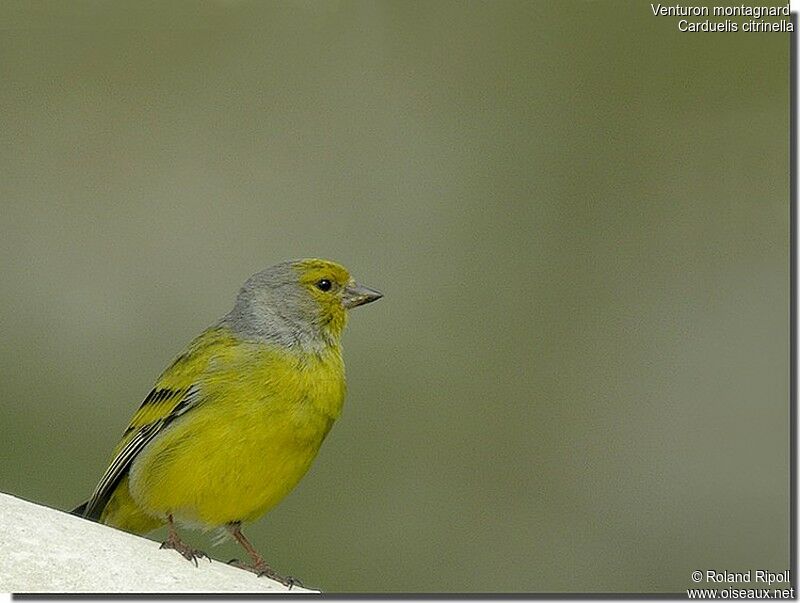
(263, 569)
(189, 552)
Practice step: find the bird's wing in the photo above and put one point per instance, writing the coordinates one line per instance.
(176, 392)
(168, 405)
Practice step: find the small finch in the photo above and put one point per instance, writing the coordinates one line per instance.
(233, 424)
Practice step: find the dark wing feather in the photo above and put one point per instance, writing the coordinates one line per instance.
(136, 438)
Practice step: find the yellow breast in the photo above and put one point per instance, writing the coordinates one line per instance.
(263, 416)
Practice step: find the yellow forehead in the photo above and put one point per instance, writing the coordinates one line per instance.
(313, 270)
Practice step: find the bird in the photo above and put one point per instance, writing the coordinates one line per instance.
(234, 422)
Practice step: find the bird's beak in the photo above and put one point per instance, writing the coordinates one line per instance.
(358, 295)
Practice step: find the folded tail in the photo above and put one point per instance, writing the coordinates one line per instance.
(80, 511)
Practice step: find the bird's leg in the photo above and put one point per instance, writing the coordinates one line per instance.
(259, 567)
(174, 542)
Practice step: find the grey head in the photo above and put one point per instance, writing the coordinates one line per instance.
(299, 304)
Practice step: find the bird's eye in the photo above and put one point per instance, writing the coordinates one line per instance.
(324, 285)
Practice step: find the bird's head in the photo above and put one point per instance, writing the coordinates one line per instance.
(301, 302)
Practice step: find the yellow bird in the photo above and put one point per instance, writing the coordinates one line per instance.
(233, 424)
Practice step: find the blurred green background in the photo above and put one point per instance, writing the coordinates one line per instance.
(578, 378)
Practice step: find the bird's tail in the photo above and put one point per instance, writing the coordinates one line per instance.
(80, 511)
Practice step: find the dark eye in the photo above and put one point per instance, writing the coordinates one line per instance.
(324, 285)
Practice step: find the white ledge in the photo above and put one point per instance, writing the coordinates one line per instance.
(46, 551)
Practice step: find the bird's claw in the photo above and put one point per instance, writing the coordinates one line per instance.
(189, 553)
(287, 581)
(263, 570)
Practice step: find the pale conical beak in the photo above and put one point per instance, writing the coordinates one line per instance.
(358, 295)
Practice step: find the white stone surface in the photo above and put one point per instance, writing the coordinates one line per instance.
(46, 551)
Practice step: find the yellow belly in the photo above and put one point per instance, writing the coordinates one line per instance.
(225, 465)
(240, 451)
